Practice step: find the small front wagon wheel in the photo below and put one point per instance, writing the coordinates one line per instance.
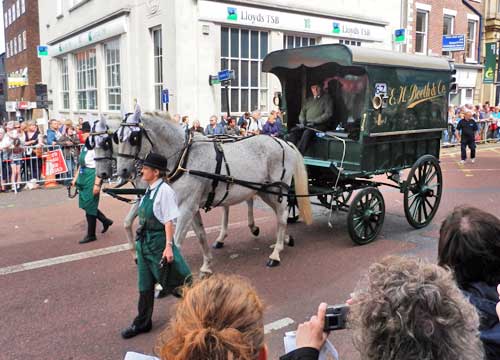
(422, 193)
(366, 215)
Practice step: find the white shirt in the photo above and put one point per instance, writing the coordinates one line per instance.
(165, 206)
(89, 159)
(254, 125)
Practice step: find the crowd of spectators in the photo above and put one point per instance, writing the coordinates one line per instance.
(22, 149)
(404, 308)
(245, 125)
(487, 118)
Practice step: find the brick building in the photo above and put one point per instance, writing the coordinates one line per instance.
(22, 65)
(429, 20)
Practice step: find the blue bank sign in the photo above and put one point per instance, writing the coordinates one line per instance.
(453, 42)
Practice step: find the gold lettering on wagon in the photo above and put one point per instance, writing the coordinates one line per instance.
(414, 94)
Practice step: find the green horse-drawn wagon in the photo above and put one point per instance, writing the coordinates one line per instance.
(389, 111)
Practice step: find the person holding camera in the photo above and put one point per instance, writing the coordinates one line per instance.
(154, 244)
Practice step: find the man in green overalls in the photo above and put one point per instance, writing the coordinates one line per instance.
(89, 188)
(154, 245)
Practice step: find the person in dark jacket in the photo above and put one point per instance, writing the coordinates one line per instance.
(272, 127)
(468, 128)
(469, 245)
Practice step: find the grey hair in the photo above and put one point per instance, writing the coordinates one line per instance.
(413, 310)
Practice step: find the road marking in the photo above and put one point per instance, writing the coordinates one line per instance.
(98, 252)
(277, 325)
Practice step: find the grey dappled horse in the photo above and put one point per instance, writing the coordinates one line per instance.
(105, 153)
(258, 159)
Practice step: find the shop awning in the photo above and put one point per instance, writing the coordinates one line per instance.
(314, 56)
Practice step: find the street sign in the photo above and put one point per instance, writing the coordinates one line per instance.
(42, 51)
(226, 75)
(490, 62)
(400, 36)
(165, 99)
(453, 42)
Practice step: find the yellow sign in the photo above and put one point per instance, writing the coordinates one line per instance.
(17, 81)
(414, 94)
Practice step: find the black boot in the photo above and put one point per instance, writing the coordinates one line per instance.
(142, 323)
(106, 223)
(91, 224)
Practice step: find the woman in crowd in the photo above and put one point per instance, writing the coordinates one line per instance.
(89, 187)
(157, 211)
(469, 245)
(15, 151)
(271, 127)
(69, 142)
(31, 140)
(197, 127)
(3, 162)
(254, 124)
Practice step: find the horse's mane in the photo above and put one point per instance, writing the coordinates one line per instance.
(161, 115)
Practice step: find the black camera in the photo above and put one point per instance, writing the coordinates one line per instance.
(336, 317)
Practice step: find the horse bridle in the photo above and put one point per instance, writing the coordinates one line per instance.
(135, 140)
(108, 143)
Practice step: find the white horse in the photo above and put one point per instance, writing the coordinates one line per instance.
(259, 160)
(105, 154)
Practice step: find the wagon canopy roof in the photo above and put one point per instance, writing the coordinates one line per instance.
(314, 56)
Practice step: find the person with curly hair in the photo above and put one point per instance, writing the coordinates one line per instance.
(412, 310)
(469, 245)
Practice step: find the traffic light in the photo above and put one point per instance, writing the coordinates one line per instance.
(41, 95)
(453, 81)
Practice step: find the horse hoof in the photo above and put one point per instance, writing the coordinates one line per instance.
(272, 263)
(256, 231)
(218, 245)
(291, 241)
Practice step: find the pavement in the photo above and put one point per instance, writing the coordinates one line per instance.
(62, 300)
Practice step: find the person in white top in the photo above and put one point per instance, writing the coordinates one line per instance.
(154, 246)
(89, 188)
(255, 123)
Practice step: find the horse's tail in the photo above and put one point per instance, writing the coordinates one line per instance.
(301, 182)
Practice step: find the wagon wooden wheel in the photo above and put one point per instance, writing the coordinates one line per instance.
(366, 215)
(423, 190)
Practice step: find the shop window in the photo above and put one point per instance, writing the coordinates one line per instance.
(470, 46)
(291, 41)
(242, 50)
(113, 77)
(421, 32)
(158, 66)
(86, 80)
(64, 83)
(350, 42)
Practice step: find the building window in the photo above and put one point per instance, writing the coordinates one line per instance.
(7, 52)
(242, 50)
(86, 80)
(9, 13)
(18, 10)
(25, 45)
(59, 8)
(23, 7)
(14, 12)
(5, 20)
(10, 48)
(65, 83)
(113, 80)
(20, 42)
(470, 46)
(291, 42)
(421, 32)
(350, 42)
(15, 45)
(448, 22)
(158, 66)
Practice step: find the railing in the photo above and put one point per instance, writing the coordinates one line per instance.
(28, 167)
(488, 132)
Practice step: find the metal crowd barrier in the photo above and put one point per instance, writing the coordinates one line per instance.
(32, 163)
(486, 133)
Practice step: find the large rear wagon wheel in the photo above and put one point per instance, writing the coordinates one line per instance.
(366, 215)
(423, 191)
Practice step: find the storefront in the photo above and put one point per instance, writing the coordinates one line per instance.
(467, 80)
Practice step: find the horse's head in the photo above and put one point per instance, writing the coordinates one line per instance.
(139, 135)
(101, 140)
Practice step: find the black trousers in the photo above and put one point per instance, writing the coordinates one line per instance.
(472, 146)
(302, 138)
(145, 309)
(92, 222)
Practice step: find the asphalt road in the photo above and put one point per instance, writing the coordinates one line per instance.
(58, 305)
